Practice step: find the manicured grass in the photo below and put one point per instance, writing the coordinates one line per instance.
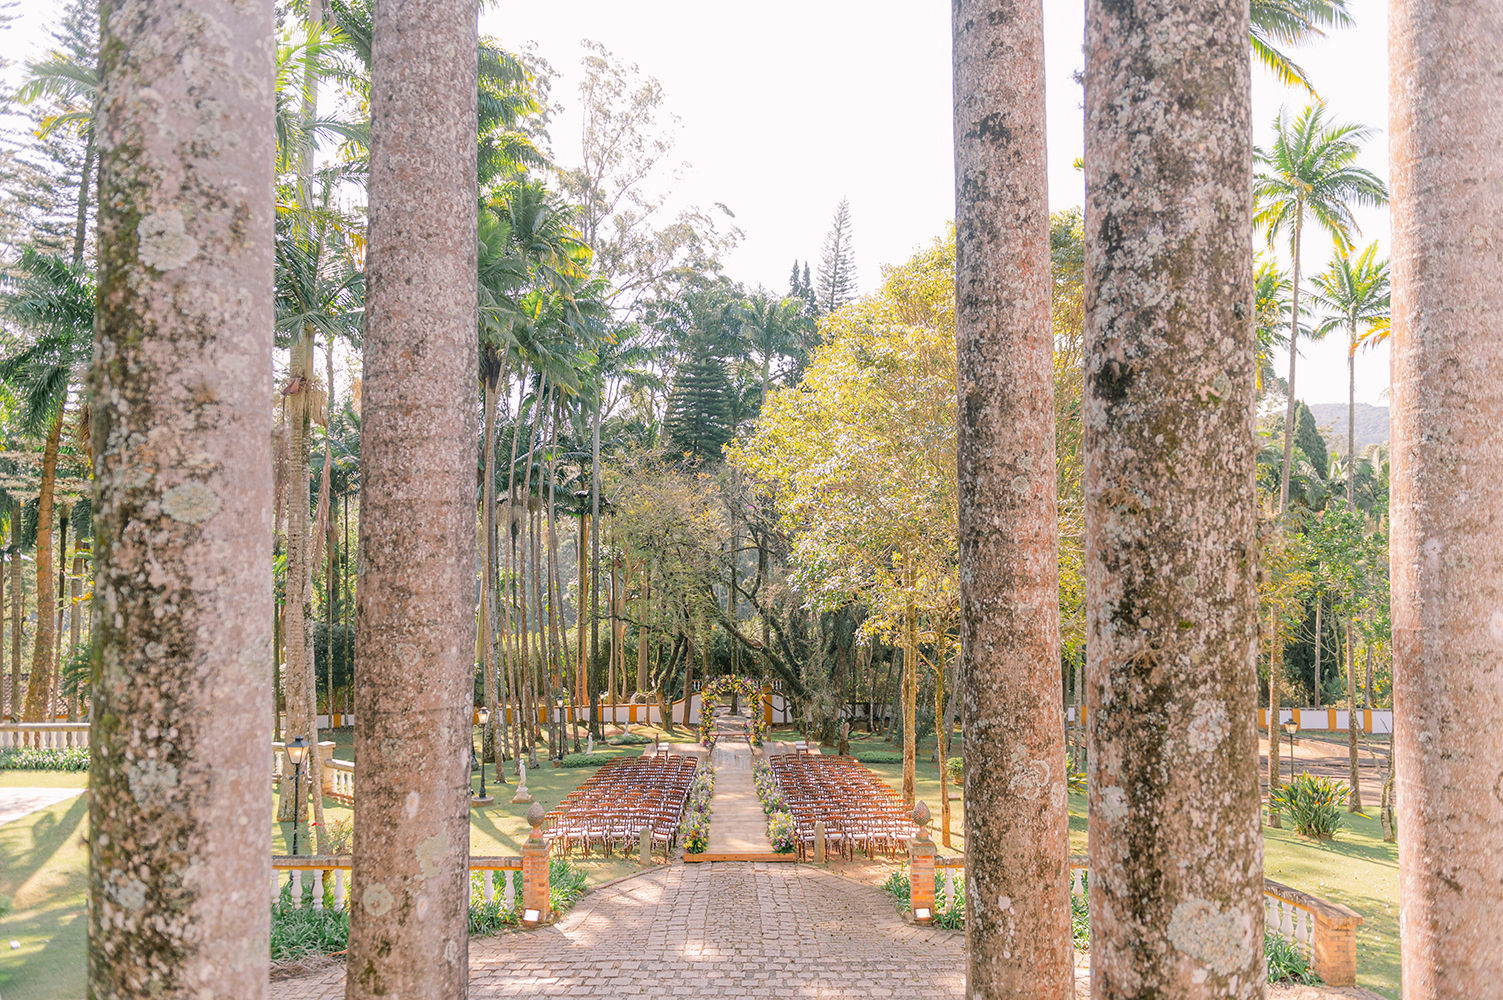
(44, 779)
(44, 878)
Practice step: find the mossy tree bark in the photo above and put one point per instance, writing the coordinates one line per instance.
(182, 502)
(1016, 814)
(1446, 120)
(415, 615)
(1176, 850)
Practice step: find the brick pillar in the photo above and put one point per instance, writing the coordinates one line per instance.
(535, 860)
(921, 868)
(1336, 949)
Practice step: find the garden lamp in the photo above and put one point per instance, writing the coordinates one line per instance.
(1291, 727)
(558, 739)
(482, 716)
(297, 752)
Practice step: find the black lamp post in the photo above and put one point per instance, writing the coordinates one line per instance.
(1291, 727)
(558, 737)
(297, 751)
(482, 715)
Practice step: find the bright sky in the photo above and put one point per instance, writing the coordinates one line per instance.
(789, 105)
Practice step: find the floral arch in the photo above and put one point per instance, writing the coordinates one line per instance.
(719, 687)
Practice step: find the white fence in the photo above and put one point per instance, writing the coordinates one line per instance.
(45, 735)
(1369, 720)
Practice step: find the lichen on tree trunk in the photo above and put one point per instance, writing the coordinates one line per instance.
(1175, 845)
(1016, 814)
(178, 858)
(415, 616)
(1446, 123)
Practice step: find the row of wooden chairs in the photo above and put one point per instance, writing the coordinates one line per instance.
(625, 797)
(857, 809)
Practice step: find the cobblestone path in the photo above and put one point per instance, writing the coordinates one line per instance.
(723, 929)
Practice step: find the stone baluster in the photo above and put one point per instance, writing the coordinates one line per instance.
(338, 874)
(297, 887)
(318, 889)
(488, 885)
(508, 891)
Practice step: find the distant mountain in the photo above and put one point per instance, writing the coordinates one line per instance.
(1372, 425)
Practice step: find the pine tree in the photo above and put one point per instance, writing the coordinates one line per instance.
(699, 420)
(1308, 440)
(837, 263)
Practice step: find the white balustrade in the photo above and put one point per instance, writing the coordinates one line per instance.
(44, 735)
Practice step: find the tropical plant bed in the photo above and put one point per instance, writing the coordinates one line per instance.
(44, 759)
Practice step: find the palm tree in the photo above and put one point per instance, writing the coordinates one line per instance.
(1355, 295)
(1309, 172)
(319, 295)
(51, 300)
(1292, 22)
(1271, 306)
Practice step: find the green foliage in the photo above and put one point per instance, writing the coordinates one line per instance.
(955, 768)
(878, 756)
(837, 262)
(1313, 804)
(301, 931)
(566, 883)
(629, 740)
(1308, 440)
(699, 409)
(40, 759)
(1080, 914)
(583, 760)
(948, 912)
(1286, 963)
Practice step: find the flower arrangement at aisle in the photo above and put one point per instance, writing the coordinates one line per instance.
(720, 687)
(781, 832)
(768, 789)
(696, 825)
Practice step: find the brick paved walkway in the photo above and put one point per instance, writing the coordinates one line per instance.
(725, 929)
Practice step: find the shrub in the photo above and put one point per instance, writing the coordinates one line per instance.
(947, 912)
(340, 834)
(955, 768)
(1286, 963)
(1080, 914)
(1313, 804)
(44, 759)
(301, 931)
(629, 740)
(782, 833)
(879, 757)
(566, 883)
(583, 760)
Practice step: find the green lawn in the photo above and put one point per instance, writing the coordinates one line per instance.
(44, 879)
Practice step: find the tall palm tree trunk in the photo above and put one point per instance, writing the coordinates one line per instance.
(411, 886)
(182, 501)
(1016, 815)
(40, 682)
(17, 610)
(1171, 523)
(1351, 420)
(1353, 721)
(298, 679)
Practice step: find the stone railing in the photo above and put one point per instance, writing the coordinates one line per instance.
(339, 780)
(44, 735)
(330, 876)
(1323, 931)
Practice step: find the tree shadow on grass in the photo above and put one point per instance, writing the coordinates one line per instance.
(48, 834)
